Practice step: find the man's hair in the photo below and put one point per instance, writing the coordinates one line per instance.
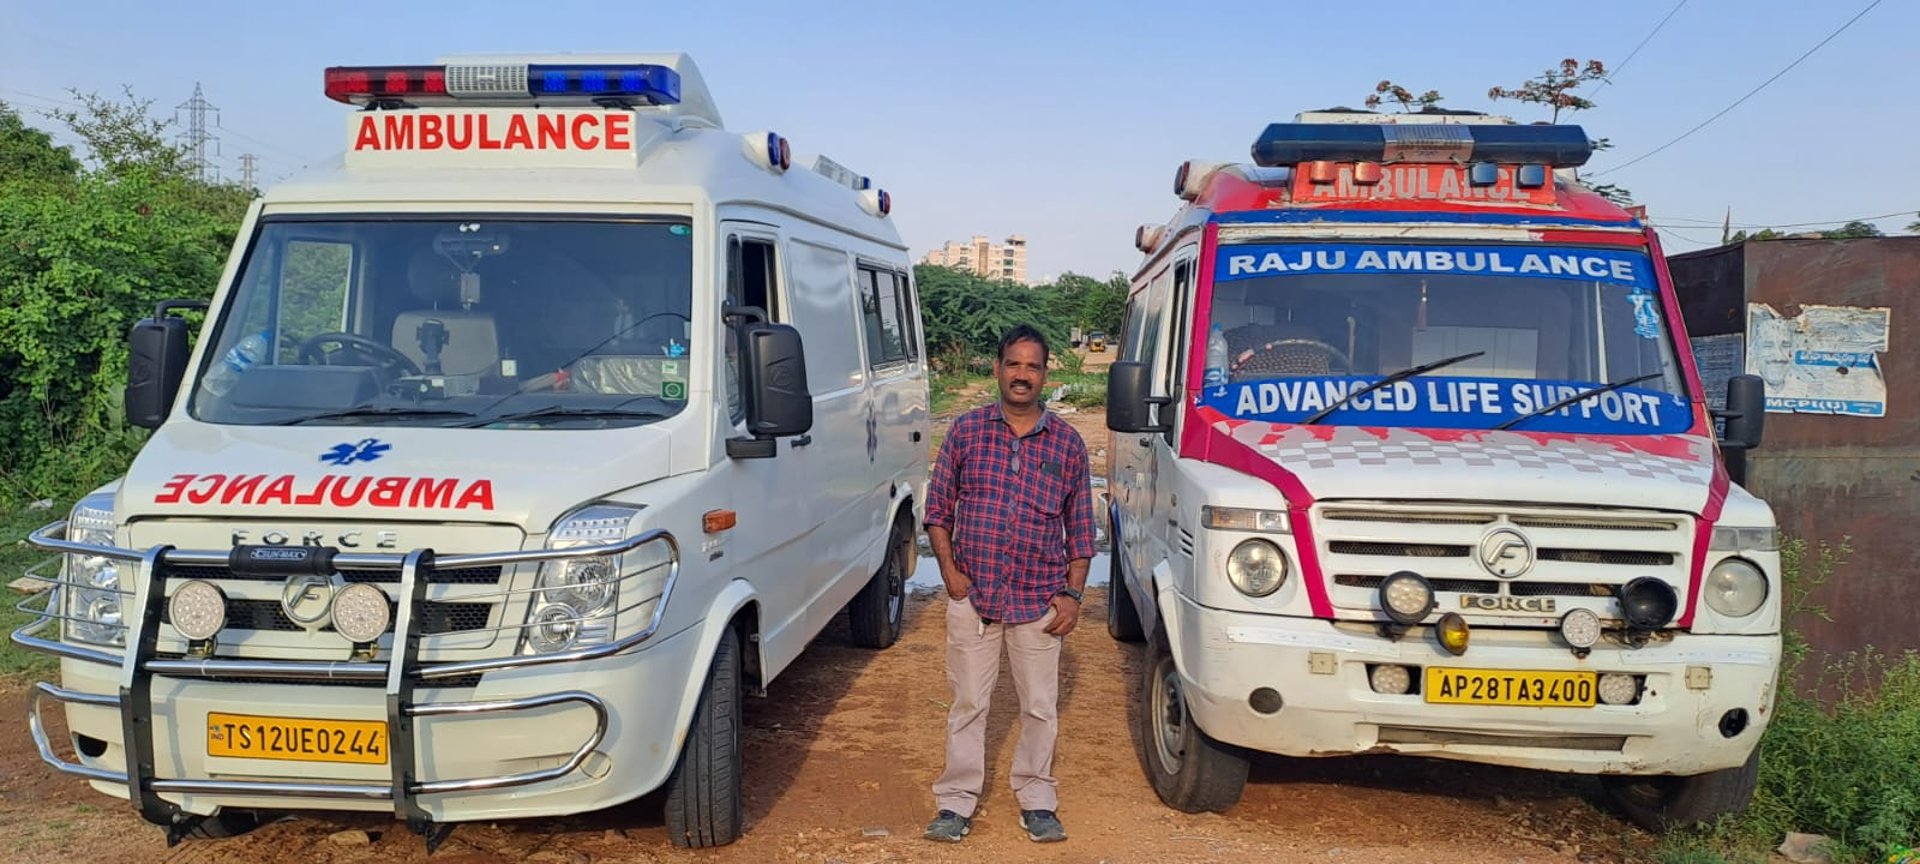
(1024, 333)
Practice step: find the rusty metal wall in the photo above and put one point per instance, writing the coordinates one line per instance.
(1830, 477)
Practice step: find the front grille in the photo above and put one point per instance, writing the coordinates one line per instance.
(1398, 550)
(435, 618)
(1626, 557)
(1463, 586)
(454, 576)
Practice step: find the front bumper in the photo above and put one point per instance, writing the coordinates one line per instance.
(1329, 708)
(467, 740)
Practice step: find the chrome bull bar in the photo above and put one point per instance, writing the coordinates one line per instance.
(402, 672)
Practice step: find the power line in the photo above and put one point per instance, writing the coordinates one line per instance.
(1706, 223)
(1643, 43)
(1750, 93)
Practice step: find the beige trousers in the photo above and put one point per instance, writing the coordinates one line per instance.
(973, 666)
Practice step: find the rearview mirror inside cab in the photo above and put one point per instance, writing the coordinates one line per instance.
(778, 403)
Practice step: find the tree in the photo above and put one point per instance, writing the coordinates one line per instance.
(1852, 230)
(28, 153)
(1914, 226)
(1407, 101)
(1554, 88)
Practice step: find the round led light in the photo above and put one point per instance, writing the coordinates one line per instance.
(1648, 603)
(1406, 597)
(198, 609)
(361, 612)
(1735, 588)
(554, 627)
(1390, 679)
(1257, 568)
(1619, 688)
(1580, 627)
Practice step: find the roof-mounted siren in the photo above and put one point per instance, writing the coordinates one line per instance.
(1146, 238)
(602, 84)
(1321, 147)
(876, 202)
(1191, 178)
(768, 150)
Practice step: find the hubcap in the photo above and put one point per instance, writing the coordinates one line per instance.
(1169, 717)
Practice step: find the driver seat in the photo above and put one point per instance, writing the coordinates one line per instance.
(471, 344)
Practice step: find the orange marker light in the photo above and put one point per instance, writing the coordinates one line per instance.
(717, 521)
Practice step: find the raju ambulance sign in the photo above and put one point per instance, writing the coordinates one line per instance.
(1438, 400)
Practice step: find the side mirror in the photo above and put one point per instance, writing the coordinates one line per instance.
(156, 363)
(1129, 399)
(778, 402)
(1746, 417)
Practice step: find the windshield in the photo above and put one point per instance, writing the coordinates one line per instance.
(455, 322)
(1503, 331)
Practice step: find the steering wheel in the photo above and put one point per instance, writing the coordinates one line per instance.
(377, 354)
(1345, 366)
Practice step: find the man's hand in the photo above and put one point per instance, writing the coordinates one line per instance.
(958, 585)
(1066, 613)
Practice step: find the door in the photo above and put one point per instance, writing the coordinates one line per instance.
(777, 530)
(897, 416)
(1164, 530)
(1132, 458)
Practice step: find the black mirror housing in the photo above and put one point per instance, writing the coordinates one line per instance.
(156, 364)
(778, 402)
(1129, 398)
(1746, 410)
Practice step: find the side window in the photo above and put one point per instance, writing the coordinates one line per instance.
(1154, 324)
(314, 279)
(880, 315)
(909, 314)
(752, 281)
(1175, 379)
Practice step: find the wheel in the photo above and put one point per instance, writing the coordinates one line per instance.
(876, 612)
(228, 822)
(703, 795)
(1661, 804)
(1188, 770)
(1123, 619)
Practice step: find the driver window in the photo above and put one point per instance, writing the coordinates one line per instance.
(314, 279)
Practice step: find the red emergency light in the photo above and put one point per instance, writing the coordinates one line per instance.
(371, 83)
(505, 83)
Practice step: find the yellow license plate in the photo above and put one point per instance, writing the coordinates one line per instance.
(296, 739)
(1507, 687)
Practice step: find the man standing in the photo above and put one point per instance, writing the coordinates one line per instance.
(1010, 517)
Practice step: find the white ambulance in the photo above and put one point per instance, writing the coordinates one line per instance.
(515, 450)
(1411, 456)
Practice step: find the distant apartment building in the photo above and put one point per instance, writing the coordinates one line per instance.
(1006, 260)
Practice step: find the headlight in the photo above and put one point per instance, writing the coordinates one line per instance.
(1735, 588)
(91, 583)
(1406, 597)
(1728, 538)
(1244, 519)
(1256, 568)
(576, 602)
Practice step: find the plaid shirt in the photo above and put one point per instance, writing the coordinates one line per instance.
(1019, 509)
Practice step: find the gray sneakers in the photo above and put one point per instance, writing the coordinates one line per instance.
(1042, 826)
(949, 827)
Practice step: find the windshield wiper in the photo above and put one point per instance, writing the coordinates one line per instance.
(370, 411)
(1582, 395)
(563, 411)
(1395, 378)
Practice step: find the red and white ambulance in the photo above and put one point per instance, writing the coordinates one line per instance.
(516, 450)
(1411, 456)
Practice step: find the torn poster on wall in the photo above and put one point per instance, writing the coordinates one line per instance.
(1824, 360)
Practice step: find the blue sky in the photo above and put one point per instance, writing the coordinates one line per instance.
(1065, 121)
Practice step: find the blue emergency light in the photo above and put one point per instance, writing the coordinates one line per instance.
(505, 83)
(1284, 144)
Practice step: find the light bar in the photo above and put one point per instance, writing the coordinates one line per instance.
(1293, 143)
(504, 83)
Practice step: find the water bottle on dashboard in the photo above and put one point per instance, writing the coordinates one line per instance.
(1216, 358)
(238, 359)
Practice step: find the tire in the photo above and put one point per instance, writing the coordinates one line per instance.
(1189, 771)
(875, 614)
(1661, 804)
(703, 795)
(1123, 619)
(227, 823)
